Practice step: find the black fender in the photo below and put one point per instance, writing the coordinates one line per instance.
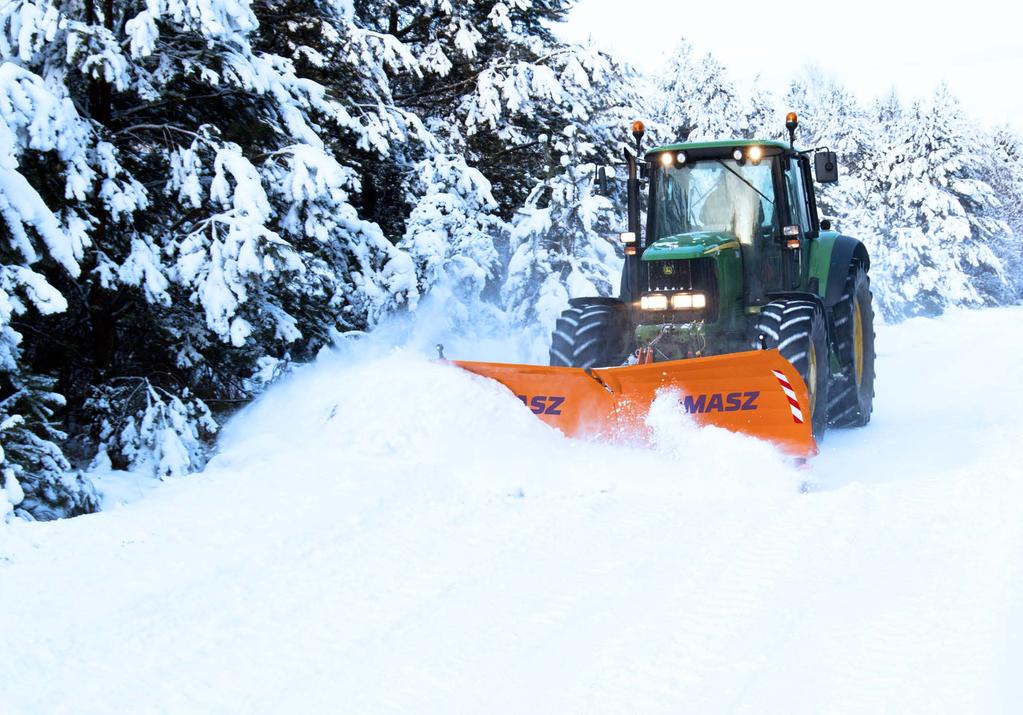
(595, 300)
(846, 251)
(627, 310)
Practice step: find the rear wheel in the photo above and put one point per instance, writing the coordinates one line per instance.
(852, 389)
(798, 329)
(593, 332)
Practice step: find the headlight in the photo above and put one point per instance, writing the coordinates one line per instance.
(687, 301)
(678, 301)
(682, 301)
(654, 302)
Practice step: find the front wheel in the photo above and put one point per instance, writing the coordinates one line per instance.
(798, 329)
(593, 332)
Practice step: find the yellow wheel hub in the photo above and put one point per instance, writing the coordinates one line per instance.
(857, 342)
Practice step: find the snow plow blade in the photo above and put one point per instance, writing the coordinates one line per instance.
(757, 393)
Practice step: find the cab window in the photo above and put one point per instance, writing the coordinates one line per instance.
(714, 196)
(797, 195)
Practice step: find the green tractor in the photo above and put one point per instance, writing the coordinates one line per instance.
(735, 258)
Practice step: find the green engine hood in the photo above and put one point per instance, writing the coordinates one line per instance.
(689, 245)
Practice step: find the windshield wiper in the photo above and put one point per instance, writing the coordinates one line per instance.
(744, 180)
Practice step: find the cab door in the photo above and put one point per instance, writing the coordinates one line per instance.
(763, 257)
(798, 228)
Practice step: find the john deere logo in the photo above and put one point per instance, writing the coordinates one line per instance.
(668, 269)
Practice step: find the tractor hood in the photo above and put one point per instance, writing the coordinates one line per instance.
(684, 246)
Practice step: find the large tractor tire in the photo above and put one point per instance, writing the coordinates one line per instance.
(799, 330)
(852, 388)
(593, 332)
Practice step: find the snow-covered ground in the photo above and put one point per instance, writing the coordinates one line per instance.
(386, 534)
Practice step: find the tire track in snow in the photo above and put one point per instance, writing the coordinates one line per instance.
(728, 594)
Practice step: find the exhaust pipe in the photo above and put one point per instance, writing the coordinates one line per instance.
(634, 250)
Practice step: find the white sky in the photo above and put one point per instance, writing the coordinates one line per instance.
(872, 46)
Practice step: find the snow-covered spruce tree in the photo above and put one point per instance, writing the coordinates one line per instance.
(936, 211)
(694, 100)
(41, 135)
(37, 480)
(451, 234)
(1003, 170)
(562, 243)
(447, 195)
(500, 92)
(472, 61)
(488, 71)
(831, 116)
(364, 61)
(764, 114)
(205, 226)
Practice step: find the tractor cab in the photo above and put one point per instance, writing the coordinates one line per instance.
(733, 259)
(730, 225)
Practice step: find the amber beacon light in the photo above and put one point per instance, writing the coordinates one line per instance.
(791, 122)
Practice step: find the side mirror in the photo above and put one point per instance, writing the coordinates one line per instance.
(825, 167)
(602, 182)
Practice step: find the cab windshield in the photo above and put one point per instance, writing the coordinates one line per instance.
(712, 195)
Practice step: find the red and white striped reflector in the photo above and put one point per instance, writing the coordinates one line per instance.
(786, 387)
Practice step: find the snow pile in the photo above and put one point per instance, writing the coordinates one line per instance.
(449, 429)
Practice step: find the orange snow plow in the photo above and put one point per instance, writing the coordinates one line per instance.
(757, 393)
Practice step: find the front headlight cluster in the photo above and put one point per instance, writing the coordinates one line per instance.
(677, 301)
